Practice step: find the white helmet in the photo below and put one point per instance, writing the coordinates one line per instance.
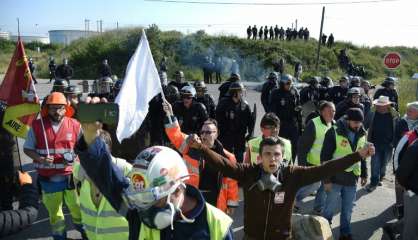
(156, 173)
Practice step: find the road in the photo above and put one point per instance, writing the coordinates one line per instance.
(371, 211)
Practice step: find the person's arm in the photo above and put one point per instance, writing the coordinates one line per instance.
(232, 190)
(399, 152)
(328, 148)
(173, 130)
(305, 143)
(307, 175)
(409, 165)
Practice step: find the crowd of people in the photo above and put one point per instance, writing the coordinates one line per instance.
(178, 176)
(276, 33)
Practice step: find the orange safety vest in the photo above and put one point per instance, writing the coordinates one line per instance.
(228, 195)
(58, 143)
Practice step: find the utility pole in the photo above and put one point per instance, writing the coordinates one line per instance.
(296, 24)
(319, 39)
(97, 25)
(18, 27)
(101, 25)
(117, 25)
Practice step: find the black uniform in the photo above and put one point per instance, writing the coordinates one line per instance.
(8, 155)
(343, 106)
(266, 90)
(178, 85)
(391, 93)
(234, 122)
(209, 103)
(324, 93)
(367, 103)
(224, 88)
(286, 105)
(337, 94)
(310, 94)
(64, 71)
(32, 68)
(190, 119)
(105, 70)
(52, 67)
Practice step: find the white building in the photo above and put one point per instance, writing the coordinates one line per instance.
(28, 39)
(5, 35)
(67, 36)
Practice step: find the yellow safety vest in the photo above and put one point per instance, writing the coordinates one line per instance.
(314, 155)
(218, 223)
(343, 148)
(254, 145)
(102, 223)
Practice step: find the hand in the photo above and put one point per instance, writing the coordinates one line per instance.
(327, 187)
(230, 211)
(363, 181)
(46, 160)
(367, 151)
(195, 142)
(91, 131)
(167, 108)
(24, 178)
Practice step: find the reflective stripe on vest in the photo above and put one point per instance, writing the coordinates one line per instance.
(314, 155)
(255, 149)
(218, 222)
(54, 151)
(102, 223)
(49, 166)
(343, 148)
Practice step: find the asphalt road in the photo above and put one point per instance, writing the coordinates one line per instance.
(371, 211)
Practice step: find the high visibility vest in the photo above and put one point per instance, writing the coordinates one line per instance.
(343, 148)
(102, 223)
(254, 145)
(58, 143)
(218, 222)
(314, 155)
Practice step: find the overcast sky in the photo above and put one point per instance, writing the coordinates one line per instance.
(387, 23)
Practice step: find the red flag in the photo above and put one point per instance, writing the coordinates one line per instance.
(18, 92)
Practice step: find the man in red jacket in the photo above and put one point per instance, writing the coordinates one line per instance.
(50, 143)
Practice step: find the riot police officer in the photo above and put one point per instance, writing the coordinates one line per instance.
(104, 69)
(205, 98)
(339, 93)
(190, 114)
(285, 103)
(52, 67)
(389, 91)
(235, 121)
(59, 85)
(352, 101)
(224, 88)
(64, 71)
(311, 93)
(32, 68)
(179, 80)
(365, 98)
(355, 82)
(326, 84)
(117, 87)
(73, 94)
(267, 88)
(103, 88)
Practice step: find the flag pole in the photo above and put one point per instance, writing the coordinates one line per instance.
(42, 122)
(18, 154)
(18, 28)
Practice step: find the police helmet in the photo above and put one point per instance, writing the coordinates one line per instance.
(59, 85)
(344, 79)
(72, 89)
(353, 91)
(118, 84)
(188, 91)
(286, 78)
(355, 81)
(327, 81)
(389, 81)
(314, 80)
(235, 77)
(199, 85)
(273, 76)
(179, 74)
(236, 86)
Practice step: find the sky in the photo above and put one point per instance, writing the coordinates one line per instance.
(387, 23)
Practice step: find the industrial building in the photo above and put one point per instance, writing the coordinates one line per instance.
(67, 36)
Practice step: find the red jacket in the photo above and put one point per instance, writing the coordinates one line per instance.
(228, 195)
(58, 143)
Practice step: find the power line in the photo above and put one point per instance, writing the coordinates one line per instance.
(272, 4)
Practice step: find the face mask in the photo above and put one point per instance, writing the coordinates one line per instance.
(158, 218)
(270, 182)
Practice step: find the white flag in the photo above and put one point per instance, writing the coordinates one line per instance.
(140, 85)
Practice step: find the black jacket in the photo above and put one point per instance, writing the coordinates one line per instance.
(329, 147)
(309, 94)
(267, 88)
(343, 106)
(209, 103)
(391, 93)
(190, 119)
(407, 173)
(284, 104)
(64, 71)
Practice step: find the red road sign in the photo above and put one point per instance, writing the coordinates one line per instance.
(392, 60)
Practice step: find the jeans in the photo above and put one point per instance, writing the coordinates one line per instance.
(348, 196)
(379, 162)
(320, 196)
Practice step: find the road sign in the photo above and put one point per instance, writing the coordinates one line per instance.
(392, 60)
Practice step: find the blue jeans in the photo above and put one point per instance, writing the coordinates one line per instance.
(319, 197)
(379, 162)
(348, 196)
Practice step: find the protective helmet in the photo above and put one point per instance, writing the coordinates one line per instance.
(56, 98)
(72, 89)
(179, 74)
(188, 91)
(114, 77)
(104, 85)
(59, 85)
(235, 77)
(355, 82)
(199, 85)
(389, 81)
(314, 80)
(273, 76)
(365, 83)
(156, 173)
(286, 78)
(327, 81)
(353, 91)
(118, 84)
(344, 78)
(236, 86)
